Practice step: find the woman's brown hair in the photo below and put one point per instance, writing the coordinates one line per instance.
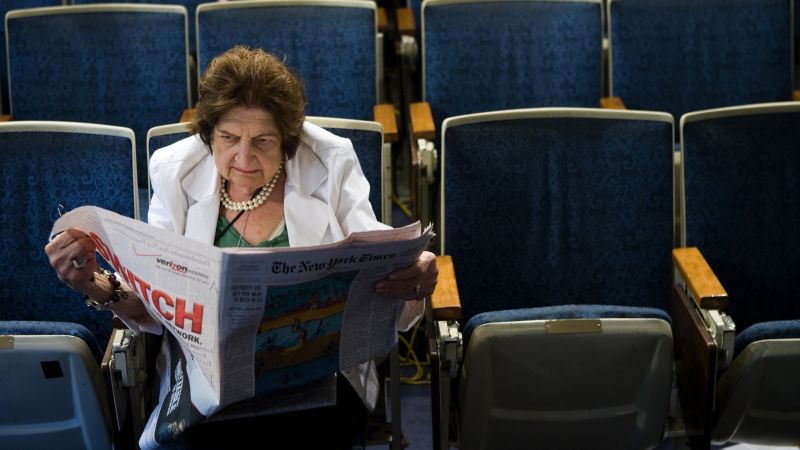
(251, 78)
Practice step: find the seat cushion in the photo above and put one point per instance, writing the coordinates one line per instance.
(778, 329)
(34, 328)
(563, 312)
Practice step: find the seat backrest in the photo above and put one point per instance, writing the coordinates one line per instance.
(5, 7)
(682, 55)
(42, 165)
(330, 44)
(158, 137)
(190, 5)
(373, 157)
(485, 55)
(741, 170)
(575, 204)
(123, 65)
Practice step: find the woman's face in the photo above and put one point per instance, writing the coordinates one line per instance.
(247, 147)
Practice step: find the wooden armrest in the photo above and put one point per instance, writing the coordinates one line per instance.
(384, 114)
(796, 95)
(611, 103)
(445, 302)
(405, 22)
(704, 286)
(187, 115)
(422, 126)
(383, 22)
(5, 118)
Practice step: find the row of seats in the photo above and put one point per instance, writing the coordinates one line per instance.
(673, 56)
(100, 67)
(557, 226)
(566, 302)
(51, 343)
(126, 65)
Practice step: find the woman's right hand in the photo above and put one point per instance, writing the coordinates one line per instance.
(73, 256)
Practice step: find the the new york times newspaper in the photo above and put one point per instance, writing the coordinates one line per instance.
(250, 324)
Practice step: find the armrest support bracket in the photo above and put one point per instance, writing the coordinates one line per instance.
(695, 370)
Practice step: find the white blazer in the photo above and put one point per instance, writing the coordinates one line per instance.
(326, 198)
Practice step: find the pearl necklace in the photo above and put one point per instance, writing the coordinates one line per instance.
(254, 202)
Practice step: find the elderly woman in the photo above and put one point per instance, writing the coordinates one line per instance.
(255, 174)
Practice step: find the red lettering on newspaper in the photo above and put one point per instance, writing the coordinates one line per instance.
(173, 310)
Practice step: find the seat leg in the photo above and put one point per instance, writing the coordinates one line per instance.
(444, 346)
(695, 370)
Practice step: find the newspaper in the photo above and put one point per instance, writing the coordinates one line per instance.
(251, 323)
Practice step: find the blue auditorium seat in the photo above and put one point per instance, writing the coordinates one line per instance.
(373, 157)
(559, 225)
(45, 164)
(116, 64)
(679, 56)
(5, 7)
(484, 55)
(742, 207)
(56, 340)
(332, 46)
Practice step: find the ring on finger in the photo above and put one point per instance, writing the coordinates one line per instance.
(78, 263)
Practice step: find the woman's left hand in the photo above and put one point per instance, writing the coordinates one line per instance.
(412, 283)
